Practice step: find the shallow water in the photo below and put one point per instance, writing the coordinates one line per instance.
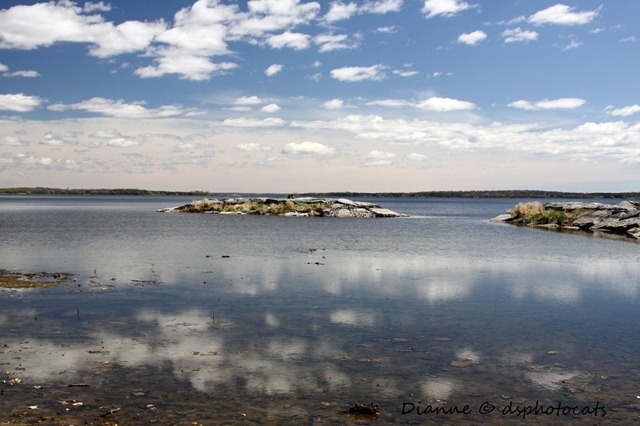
(179, 318)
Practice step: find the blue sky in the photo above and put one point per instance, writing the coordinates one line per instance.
(293, 95)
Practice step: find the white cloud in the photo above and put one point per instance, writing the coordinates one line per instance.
(333, 104)
(19, 102)
(99, 6)
(307, 149)
(273, 69)
(561, 14)
(382, 6)
(518, 34)
(561, 103)
(629, 39)
(626, 111)
(391, 29)
(26, 74)
(446, 104)
(573, 43)
(330, 42)
(472, 38)
(380, 155)
(12, 141)
(123, 143)
(249, 147)
(392, 103)
(353, 74)
(433, 103)
(187, 66)
(43, 24)
(414, 156)
(4, 68)
(271, 108)
(56, 139)
(248, 100)
(341, 11)
(130, 36)
(107, 134)
(296, 41)
(253, 122)
(444, 7)
(119, 108)
(405, 73)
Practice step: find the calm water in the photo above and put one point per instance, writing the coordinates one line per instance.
(266, 320)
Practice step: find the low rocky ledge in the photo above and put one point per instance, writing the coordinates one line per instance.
(305, 207)
(617, 219)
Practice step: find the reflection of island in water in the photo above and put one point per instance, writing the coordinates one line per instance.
(286, 340)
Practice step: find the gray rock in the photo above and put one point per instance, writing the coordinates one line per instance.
(380, 212)
(346, 202)
(502, 218)
(616, 225)
(634, 232)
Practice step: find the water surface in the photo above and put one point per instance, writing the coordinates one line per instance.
(181, 318)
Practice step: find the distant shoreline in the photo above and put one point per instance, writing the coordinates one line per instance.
(420, 194)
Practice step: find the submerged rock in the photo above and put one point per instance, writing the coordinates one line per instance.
(291, 207)
(620, 218)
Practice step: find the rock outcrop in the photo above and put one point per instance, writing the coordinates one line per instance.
(307, 207)
(620, 219)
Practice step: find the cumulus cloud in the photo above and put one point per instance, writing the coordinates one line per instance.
(626, 111)
(446, 104)
(340, 11)
(58, 139)
(123, 143)
(446, 8)
(248, 100)
(331, 42)
(562, 103)
(307, 149)
(414, 156)
(333, 104)
(271, 108)
(295, 41)
(19, 102)
(561, 14)
(273, 69)
(187, 66)
(28, 27)
(12, 141)
(119, 108)
(99, 6)
(517, 34)
(354, 74)
(472, 38)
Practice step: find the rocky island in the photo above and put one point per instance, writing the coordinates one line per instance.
(305, 207)
(622, 218)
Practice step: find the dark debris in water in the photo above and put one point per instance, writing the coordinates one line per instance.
(366, 409)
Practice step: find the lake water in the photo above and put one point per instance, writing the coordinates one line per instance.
(212, 319)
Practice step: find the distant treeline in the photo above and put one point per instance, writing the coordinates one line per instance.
(480, 194)
(117, 191)
(422, 194)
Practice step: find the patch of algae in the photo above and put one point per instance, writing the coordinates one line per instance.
(14, 279)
